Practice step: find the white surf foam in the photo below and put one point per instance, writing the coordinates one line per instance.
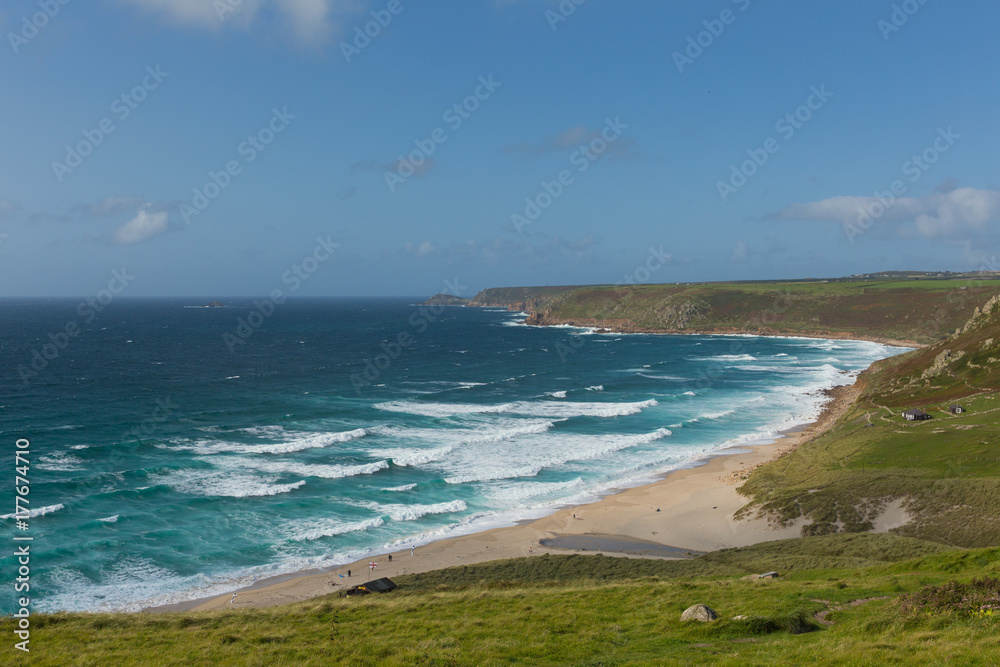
(404, 487)
(272, 431)
(499, 430)
(318, 529)
(226, 484)
(527, 457)
(314, 441)
(41, 511)
(715, 415)
(726, 357)
(325, 471)
(506, 492)
(60, 462)
(565, 409)
(414, 457)
(399, 512)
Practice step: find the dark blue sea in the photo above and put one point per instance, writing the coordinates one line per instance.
(178, 451)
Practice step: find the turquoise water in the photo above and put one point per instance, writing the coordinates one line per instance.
(166, 467)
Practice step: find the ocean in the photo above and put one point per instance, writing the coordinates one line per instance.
(179, 451)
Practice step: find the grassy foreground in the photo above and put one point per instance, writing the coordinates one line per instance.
(578, 610)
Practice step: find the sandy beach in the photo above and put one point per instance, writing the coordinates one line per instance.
(687, 512)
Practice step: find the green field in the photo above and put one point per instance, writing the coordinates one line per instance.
(580, 610)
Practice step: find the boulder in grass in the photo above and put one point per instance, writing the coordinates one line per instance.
(699, 612)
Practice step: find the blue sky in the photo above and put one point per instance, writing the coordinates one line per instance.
(710, 140)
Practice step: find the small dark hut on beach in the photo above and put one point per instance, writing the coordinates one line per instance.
(916, 415)
(383, 585)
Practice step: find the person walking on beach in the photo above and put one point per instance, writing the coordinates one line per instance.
(348, 573)
(411, 550)
(234, 599)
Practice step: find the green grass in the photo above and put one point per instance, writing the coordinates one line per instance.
(946, 469)
(626, 620)
(829, 551)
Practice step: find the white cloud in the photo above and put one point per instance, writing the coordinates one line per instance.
(420, 249)
(311, 21)
(145, 225)
(309, 18)
(579, 135)
(107, 207)
(961, 211)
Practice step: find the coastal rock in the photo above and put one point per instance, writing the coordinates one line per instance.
(446, 300)
(699, 612)
(978, 313)
(941, 363)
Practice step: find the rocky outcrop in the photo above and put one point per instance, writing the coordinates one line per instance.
(941, 362)
(979, 313)
(446, 300)
(699, 612)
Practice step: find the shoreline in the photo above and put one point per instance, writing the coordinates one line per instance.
(613, 327)
(688, 510)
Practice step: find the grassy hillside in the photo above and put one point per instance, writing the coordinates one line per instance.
(892, 309)
(946, 470)
(851, 614)
(519, 298)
